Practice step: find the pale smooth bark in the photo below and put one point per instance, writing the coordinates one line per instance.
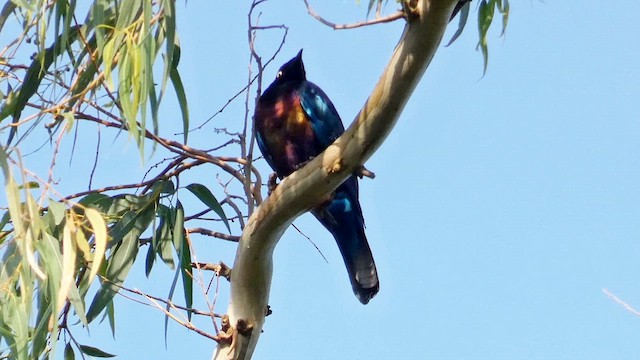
(252, 270)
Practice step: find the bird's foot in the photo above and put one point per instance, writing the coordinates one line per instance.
(273, 182)
(302, 164)
(362, 171)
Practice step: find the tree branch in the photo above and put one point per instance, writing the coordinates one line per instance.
(378, 20)
(252, 270)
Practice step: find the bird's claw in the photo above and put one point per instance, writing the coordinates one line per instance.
(273, 182)
(302, 164)
(362, 171)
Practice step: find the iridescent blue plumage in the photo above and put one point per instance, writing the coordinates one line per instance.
(295, 121)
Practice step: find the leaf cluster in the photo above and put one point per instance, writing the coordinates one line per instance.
(63, 259)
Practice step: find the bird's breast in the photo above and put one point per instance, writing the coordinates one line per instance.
(287, 118)
(287, 132)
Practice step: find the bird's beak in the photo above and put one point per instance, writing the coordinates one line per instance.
(299, 56)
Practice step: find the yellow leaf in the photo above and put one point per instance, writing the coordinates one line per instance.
(68, 263)
(100, 232)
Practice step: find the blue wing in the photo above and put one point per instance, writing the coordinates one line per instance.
(324, 118)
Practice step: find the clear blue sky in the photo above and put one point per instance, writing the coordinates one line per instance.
(502, 206)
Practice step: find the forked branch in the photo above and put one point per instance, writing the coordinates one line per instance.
(252, 270)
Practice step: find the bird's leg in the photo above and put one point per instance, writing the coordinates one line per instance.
(362, 171)
(302, 164)
(273, 182)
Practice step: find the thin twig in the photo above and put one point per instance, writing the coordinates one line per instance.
(215, 234)
(162, 176)
(378, 20)
(95, 160)
(626, 306)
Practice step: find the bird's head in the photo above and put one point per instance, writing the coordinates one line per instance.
(293, 70)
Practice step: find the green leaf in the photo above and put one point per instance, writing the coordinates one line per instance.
(7, 9)
(118, 205)
(29, 185)
(132, 208)
(111, 315)
(35, 73)
(128, 88)
(78, 304)
(161, 242)
(174, 75)
(69, 256)
(485, 17)
(184, 251)
(148, 52)
(150, 258)
(51, 260)
(14, 315)
(68, 352)
(187, 276)
(371, 3)
(202, 193)
(168, 187)
(8, 105)
(58, 211)
(504, 10)
(120, 262)
(129, 11)
(118, 267)
(122, 227)
(462, 21)
(122, 259)
(4, 221)
(169, 22)
(4, 165)
(40, 335)
(178, 229)
(92, 351)
(95, 199)
(64, 9)
(163, 237)
(41, 331)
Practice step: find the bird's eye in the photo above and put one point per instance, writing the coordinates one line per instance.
(279, 75)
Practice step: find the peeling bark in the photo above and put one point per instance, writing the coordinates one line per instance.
(252, 270)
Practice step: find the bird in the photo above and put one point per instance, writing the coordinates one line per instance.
(295, 121)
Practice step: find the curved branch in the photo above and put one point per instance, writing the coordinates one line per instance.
(378, 20)
(252, 270)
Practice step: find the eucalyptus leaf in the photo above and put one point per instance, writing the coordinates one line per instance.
(205, 195)
(95, 352)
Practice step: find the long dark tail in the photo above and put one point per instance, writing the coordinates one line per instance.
(343, 218)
